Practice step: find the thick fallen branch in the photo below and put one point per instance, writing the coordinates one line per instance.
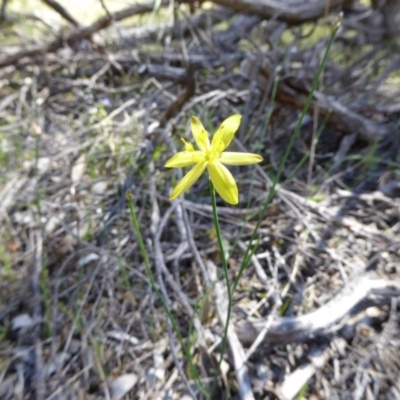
(200, 21)
(344, 119)
(295, 329)
(81, 33)
(3, 10)
(185, 95)
(62, 11)
(293, 92)
(294, 12)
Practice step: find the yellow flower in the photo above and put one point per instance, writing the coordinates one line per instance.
(211, 156)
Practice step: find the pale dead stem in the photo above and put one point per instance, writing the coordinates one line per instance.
(37, 248)
(238, 354)
(294, 329)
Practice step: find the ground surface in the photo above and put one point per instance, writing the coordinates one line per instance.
(89, 115)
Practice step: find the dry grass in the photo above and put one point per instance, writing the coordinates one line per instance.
(80, 128)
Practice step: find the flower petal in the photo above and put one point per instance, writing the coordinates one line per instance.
(188, 180)
(200, 134)
(185, 158)
(239, 158)
(225, 133)
(188, 146)
(223, 181)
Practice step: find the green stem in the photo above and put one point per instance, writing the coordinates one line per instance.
(293, 138)
(226, 274)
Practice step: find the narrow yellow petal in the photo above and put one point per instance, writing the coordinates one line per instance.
(188, 180)
(184, 159)
(200, 134)
(223, 182)
(239, 158)
(225, 133)
(188, 146)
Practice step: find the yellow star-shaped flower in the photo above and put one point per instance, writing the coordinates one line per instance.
(211, 156)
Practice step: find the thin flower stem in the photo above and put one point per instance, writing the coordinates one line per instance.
(226, 274)
(250, 248)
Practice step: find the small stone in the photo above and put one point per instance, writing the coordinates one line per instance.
(88, 259)
(99, 188)
(122, 386)
(21, 321)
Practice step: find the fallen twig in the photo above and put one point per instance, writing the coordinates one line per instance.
(295, 381)
(238, 355)
(295, 329)
(37, 244)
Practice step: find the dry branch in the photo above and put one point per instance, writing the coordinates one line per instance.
(3, 10)
(187, 93)
(62, 11)
(293, 12)
(81, 33)
(344, 119)
(37, 246)
(293, 92)
(295, 329)
(199, 21)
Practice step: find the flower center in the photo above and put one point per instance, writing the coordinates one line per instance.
(212, 155)
(215, 151)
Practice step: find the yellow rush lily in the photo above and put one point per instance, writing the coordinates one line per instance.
(211, 156)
